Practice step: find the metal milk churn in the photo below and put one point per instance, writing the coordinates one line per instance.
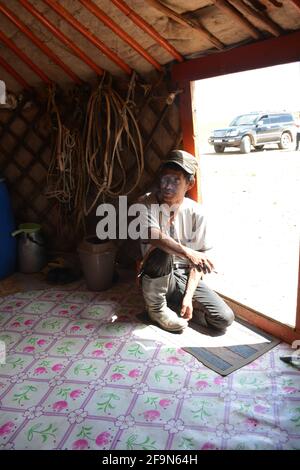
(31, 248)
(7, 242)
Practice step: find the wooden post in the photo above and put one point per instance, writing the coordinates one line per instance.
(187, 125)
(264, 53)
(298, 301)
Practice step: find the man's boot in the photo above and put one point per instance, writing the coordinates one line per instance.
(154, 291)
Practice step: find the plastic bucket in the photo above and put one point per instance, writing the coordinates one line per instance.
(98, 260)
(7, 241)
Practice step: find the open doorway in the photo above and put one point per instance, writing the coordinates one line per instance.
(252, 194)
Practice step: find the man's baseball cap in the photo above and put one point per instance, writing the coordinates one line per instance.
(184, 159)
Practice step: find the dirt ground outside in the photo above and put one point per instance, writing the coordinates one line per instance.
(253, 205)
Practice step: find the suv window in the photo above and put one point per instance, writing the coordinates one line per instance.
(275, 119)
(286, 118)
(244, 120)
(265, 120)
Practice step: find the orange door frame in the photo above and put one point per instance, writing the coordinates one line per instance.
(275, 51)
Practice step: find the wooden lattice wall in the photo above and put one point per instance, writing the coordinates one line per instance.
(25, 151)
(24, 159)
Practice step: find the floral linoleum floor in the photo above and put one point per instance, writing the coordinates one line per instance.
(81, 373)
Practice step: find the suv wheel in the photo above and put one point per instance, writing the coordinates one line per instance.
(219, 148)
(285, 141)
(245, 145)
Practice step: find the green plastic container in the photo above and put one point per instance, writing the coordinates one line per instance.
(27, 228)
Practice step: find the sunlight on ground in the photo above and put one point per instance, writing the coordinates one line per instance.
(236, 334)
(253, 206)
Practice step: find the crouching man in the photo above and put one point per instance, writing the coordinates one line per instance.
(175, 248)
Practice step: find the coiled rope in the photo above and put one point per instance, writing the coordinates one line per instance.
(111, 136)
(89, 164)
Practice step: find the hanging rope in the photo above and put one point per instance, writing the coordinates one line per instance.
(60, 178)
(65, 178)
(111, 136)
(89, 164)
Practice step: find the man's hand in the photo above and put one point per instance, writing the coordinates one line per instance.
(199, 260)
(187, 308)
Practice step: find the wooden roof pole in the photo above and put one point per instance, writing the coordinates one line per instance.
(238, 17)
(22, 27)
(61, 36)
(268, 3)
(14, 73)
(185, 22)
(67, 16)
(9, 43)
(139, 21)
(93, 8)
(296, 3)
(269, 24)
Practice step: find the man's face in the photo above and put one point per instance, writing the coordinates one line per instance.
(173, 185)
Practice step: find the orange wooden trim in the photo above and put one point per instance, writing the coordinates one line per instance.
(14, 73)
(296, 3)
(93, 8)
(273, 327)
(61, 36)
(139, 21)
(265, 53)
(187, 126)
(298, 300)
(22, 27)
(63, 13)
(9, 43)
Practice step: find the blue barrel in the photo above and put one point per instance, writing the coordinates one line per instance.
(7, 241)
